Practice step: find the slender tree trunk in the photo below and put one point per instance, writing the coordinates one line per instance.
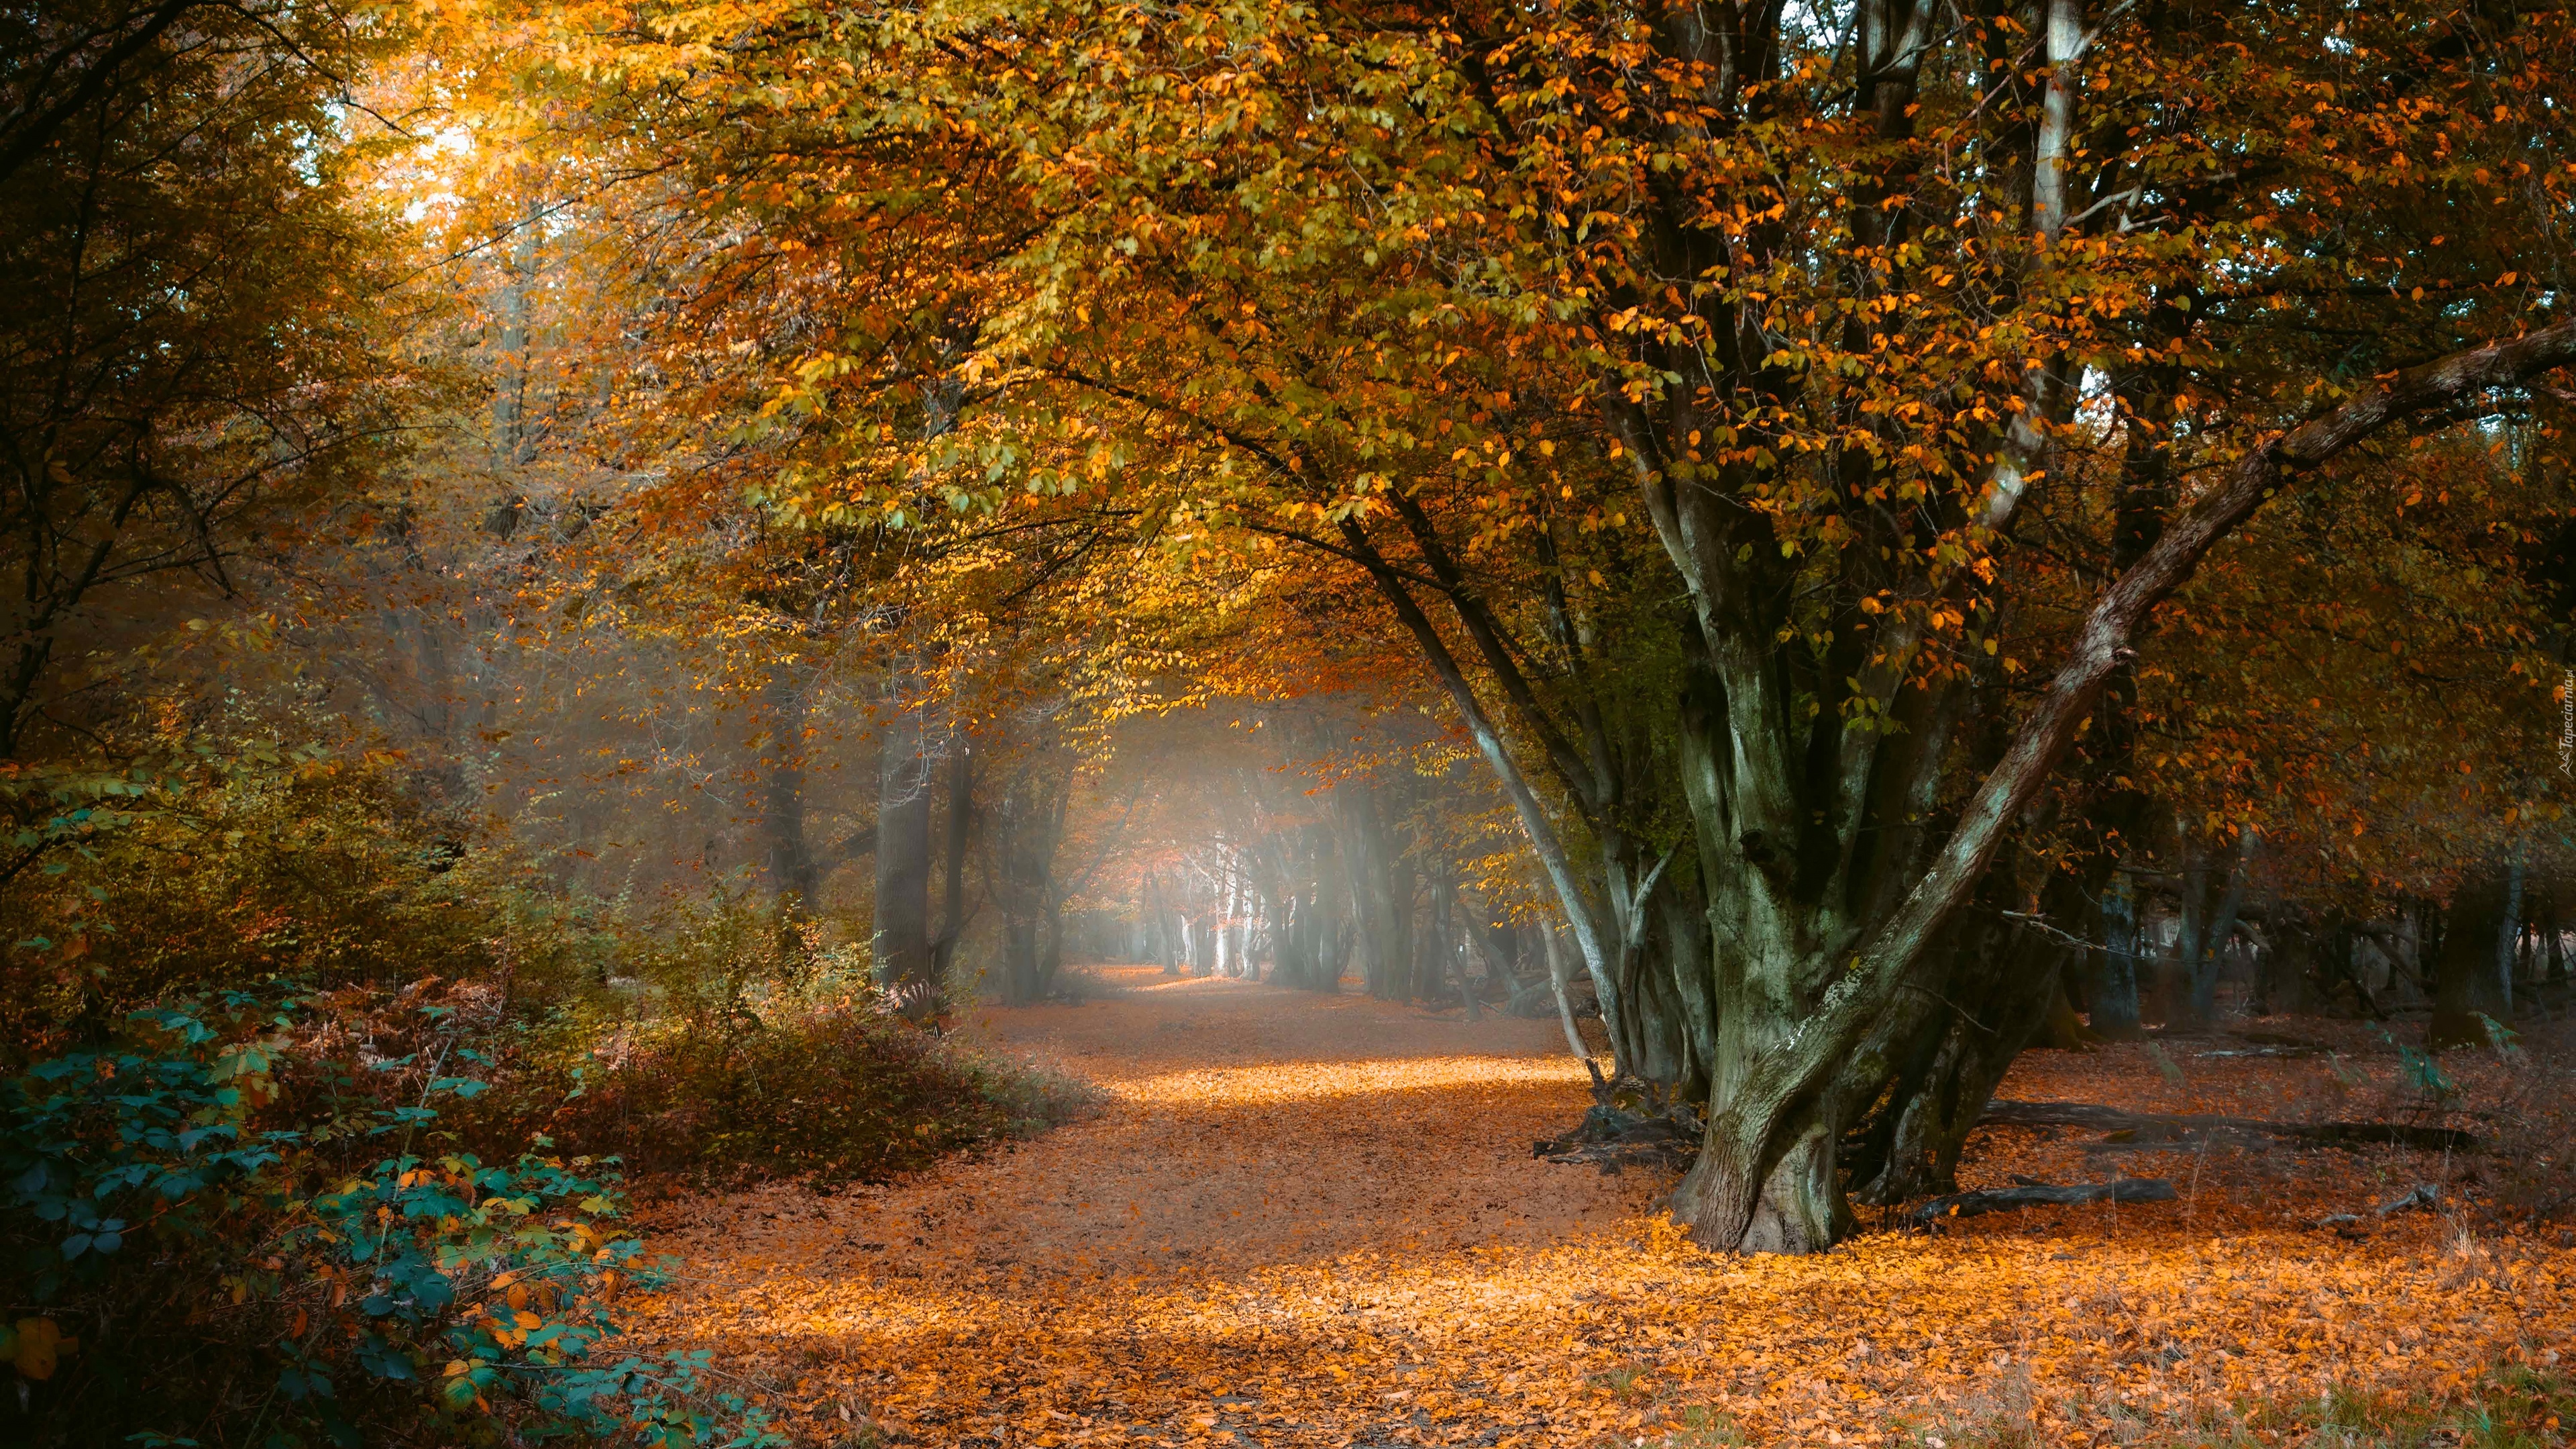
(1383, 882)
(787, 858)
(900, 937)
(2210, 952)
(2179, 965)
(961, 822)
(1307, 951)
(1325, 892)
(1556, 979)
(1362, 895)
(1229, 950)
(1160, 933)
(1020, 951)
(512, 447)
(2288, 969)
(1455, 952)
(1027, 828)
(1050, 962)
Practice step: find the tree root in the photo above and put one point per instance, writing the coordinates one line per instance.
(2422, 1197)
(1611, 1139)
(2041, 1194)
(2144, 1129)
(1615, 1157)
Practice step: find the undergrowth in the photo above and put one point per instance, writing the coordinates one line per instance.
(820, 1080)
(317, 1111)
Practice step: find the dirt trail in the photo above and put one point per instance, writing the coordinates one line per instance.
(1304, 1221)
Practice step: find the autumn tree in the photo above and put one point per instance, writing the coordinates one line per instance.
(196, 342)
(1530, 321)
(2366, 685)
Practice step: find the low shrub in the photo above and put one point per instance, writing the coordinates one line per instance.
(711, 1034)
(216, 1237)
(312, 1103)
(194, 869)
(742, 1048)
(832, 1092)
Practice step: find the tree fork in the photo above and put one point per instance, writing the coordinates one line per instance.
(1761, 1142)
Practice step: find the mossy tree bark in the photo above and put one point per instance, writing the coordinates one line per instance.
(1833, 911)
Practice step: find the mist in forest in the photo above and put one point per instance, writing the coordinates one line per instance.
(720, 606)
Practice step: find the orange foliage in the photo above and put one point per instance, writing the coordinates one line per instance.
(1317, 1222)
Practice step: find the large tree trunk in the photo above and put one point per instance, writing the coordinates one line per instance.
(1831, 893)
(1987, 1010)
(2473, 981)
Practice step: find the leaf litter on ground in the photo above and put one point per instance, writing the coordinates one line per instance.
(1307, 1220)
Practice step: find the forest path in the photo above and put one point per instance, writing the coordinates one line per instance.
(1316, 1221)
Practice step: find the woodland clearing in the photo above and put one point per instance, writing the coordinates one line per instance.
(1306, 1221)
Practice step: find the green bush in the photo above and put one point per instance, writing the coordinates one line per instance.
(206, 1259)
(359, 1191)
(197, 869)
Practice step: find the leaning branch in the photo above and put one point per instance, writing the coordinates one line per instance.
(1850, 1010)
(1489, 742)
(1487, 632)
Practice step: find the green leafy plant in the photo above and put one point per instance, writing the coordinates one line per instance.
(402, 1295)
(2422, 1072)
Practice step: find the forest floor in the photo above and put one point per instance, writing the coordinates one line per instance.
(1317, 1221)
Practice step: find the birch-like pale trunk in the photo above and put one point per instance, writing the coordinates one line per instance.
(899, 937)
